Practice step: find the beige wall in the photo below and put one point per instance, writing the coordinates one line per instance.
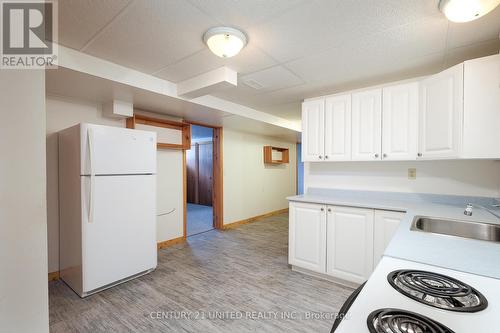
(252, 188)
(63, 113)
(23, 220)
(459, 177)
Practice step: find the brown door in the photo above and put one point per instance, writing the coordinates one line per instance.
(199, 160)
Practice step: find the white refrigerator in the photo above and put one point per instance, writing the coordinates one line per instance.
(107, 206)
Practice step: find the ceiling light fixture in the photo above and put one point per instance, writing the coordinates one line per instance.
(466, 10)
(225, 42)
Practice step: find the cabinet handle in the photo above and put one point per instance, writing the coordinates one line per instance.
(322, 209)
(326, 157)
(376, 155)
(320, 157)
(329, 210)
(384, 156)
(419, 154)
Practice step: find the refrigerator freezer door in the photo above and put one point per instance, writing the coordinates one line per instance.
(121, 240)
(107, 150)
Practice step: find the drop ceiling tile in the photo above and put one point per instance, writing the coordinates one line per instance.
(244, 14)
(250, 59)
(152, 34)
(482, 29)
(322, 25)
(273, 78)
(483, 49)
(80, 20)
(391, 48)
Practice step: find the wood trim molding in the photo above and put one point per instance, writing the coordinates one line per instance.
(218, 183)
(184, 127)
(170, 242)
(53, 276)
(254, 219)
(184, 194)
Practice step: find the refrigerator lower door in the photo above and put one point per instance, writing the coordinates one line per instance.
(120, 240)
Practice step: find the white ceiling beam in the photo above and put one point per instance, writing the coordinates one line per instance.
(208, 82)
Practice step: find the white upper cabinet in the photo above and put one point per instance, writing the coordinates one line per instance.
(349, 243)
(441, 112)
(400, 122)
(338, 128)
(367, 125)
(307, 236)
(481, 130)
(313, 130)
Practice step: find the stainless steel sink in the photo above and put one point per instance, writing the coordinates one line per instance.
(458, 228)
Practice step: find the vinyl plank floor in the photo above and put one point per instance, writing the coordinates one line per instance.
(218, 281)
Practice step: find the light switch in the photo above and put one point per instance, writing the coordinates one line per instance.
(412, 173)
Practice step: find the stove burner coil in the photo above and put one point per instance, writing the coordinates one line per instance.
(437, 290)
(401, 321)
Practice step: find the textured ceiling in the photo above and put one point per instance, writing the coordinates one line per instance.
(297, 48)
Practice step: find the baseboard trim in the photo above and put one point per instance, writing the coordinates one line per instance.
(53, 276)
(170, 242)
(253, 219)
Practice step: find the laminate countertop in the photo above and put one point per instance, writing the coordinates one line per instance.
(461, 254)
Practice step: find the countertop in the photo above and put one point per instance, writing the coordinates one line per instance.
(465, 255)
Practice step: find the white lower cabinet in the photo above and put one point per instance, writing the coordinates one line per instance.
(346, 243)
(307, 236)
(386, 225)
(349, 243)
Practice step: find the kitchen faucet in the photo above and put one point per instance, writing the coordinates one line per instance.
(468, 209)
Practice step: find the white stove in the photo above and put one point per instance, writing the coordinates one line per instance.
(414, 297)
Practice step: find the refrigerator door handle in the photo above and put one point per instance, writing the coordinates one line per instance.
(92, 175)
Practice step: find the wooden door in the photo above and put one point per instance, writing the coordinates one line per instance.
(367, 125)
(349, 243)
(307, 236)
(205, 173)
(199, 162)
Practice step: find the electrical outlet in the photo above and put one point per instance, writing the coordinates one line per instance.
(412, 173)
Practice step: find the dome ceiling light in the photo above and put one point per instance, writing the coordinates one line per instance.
(225, 42)
(466, 10)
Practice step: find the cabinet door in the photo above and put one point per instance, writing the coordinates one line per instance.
(338, 128)
(385, 226)
(307, 236)
(482, 108)
(350, 243)
(400, 122)
(441, 112)
(313, 130)
(367, 125)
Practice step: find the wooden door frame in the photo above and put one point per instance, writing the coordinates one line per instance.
(217, 180)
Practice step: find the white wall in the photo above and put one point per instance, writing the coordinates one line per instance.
(252, 188)
(63, 113)
(23, 219)
(459, 177)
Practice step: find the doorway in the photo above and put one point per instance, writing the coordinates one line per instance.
(200, 181)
